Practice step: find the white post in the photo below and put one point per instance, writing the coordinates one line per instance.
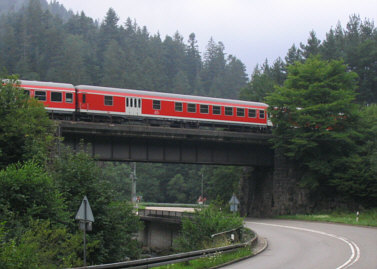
(133, 185)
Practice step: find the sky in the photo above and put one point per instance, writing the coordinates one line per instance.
(251, 30)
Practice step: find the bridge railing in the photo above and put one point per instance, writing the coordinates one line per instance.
(175, 258)
(162, 213)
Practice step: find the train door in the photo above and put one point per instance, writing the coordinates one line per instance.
(84, 105)
(133, 106)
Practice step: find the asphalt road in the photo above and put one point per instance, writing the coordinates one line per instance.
(312, 245)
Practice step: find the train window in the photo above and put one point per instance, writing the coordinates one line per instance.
(56, 97)
(68, 97)
(108, 100)
(261, 114)
(27, 92)
(204, 109)
(40, 95)
(178, 107)
(139, 103)
(84, 98)
(229, 111)
(240, 112)
(191, 108)
(127, 102)
(157, 104)
(216, 110)
(252, 113)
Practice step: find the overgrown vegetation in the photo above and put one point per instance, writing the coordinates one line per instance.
(319, 126)
(322, 99)
(39, 198)
(212, 261)
(197, 230)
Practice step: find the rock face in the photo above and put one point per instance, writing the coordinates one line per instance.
(270, 191)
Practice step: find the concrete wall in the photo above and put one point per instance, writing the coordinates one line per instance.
(158, 236)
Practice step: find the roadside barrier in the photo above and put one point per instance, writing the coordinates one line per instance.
(174, 258)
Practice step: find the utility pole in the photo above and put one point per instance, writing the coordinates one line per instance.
(202, 187)
(133, 184)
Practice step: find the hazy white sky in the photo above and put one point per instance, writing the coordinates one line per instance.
(252, 30)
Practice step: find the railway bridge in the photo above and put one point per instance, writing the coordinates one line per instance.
(143, 143)
(269, 185)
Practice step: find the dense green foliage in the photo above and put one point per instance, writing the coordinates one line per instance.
(38, 45)
(41, 246)
(169, 183)
(39, 199)
(356, 45)
(314, 116)
(318, 122)
(25, 130)
(77, 175)
(197, 230)
(28, 192)
(318, 125)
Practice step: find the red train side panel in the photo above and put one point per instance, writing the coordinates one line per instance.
(56, 97)
(122, 102)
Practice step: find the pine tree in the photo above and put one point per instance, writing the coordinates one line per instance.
(312, 47)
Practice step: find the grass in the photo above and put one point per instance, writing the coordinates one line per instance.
(212, 261)
(366, 217)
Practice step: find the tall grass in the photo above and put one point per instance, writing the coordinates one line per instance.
(366, 217)
(209, 262)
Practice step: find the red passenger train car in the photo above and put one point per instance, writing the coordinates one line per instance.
(59, 98)
(91, 102)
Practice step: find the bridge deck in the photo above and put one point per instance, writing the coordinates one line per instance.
(123, 142)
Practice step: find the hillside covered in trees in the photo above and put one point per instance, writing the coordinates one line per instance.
(38, 45)
(356, 45)
(41, 41)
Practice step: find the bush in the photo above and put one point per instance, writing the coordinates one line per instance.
(41, 246)
(77, 175)
(28, 192)
(196, 231)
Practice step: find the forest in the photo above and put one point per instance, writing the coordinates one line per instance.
(43, 46)
(322, 99)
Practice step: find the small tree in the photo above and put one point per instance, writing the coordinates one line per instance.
(25, 130)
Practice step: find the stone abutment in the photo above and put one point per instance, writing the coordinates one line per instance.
(271, 191)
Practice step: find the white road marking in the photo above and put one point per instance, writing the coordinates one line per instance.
(355, 250)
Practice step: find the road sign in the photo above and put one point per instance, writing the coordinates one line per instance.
(85, 212)
(85, 216)
(234, 203)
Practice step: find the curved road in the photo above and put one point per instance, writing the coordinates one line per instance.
(312, 245)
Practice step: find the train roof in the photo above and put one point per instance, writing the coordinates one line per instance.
(169, 95)
(46, 84)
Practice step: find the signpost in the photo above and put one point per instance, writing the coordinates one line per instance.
(85, 216)
(234, 203)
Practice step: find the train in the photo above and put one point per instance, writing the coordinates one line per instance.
(94, 103)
